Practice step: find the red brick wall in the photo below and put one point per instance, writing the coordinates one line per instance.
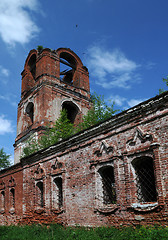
(64, 183)
(136, 133)
(47, 92)
(12, 210)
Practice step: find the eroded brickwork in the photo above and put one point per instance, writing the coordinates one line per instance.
(11, 194)
(47, 89)
(115, 173)
(64, 183)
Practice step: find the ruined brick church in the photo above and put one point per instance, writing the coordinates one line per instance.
(114, 173)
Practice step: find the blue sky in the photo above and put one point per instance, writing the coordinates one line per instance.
(124, 44)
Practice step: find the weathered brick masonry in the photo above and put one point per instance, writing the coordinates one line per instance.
(115, 173)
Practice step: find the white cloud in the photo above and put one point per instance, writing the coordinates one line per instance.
(11, 159)
(150, 65)
(4, 73)
(5, 125)
(16, 25)
(126, 103)
(9, 98)
(119, 101)
(111, 68)
(133, 102)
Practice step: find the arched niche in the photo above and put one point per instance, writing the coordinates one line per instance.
(71, 109)
(30, 111)
(32, 65)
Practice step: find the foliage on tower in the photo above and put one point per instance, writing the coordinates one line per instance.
(63, 128)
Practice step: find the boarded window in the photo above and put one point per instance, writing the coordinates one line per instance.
(57, 194)
(108, 185)
(145, 180)
(39, 194)
(12, 198)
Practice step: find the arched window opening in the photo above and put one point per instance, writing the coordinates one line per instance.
(71, 110)
(12, 198)
(67, 67)
(57, 194)
(32, 65)
(2, 200)
(108, 185)
(145, 180)
(30, 111)
(39, 194)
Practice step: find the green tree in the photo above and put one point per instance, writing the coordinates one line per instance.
(100, 111)
(166, 80)
(4, 159)
(40, 48)
(62, 129)
(161, 90)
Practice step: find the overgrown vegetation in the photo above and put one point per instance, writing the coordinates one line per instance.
(98, 113)
(40, 48)
(63, 128)
(52, 232)
(161, 90)
(4, 159)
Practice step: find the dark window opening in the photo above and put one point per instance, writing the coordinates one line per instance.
(145, 180)
(58, 183)
(30, 111)
(40, 194)
(2, 203)
(32, 65)
(67, 76)
(67, 67)
(108, 182)
(71, 110)
(12, 197)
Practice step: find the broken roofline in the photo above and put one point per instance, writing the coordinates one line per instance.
(116, 121)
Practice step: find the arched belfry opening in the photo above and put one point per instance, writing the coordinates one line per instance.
(67, 67)
(71, 109)
(52, 80)
(32, 65)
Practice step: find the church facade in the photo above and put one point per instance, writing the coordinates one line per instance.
(114, 173)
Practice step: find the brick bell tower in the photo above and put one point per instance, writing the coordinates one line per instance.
(51, 81)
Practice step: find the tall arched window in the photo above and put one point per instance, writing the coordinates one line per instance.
(30, 111)
(108, 185)
(12, 198)
(145, 179)
(39, 194)
(2, 200)
(57, 193)
(32, 65)
(71, 109)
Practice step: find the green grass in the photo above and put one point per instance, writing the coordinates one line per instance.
(52, 232)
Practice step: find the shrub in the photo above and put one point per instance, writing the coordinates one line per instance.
(63, 128)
